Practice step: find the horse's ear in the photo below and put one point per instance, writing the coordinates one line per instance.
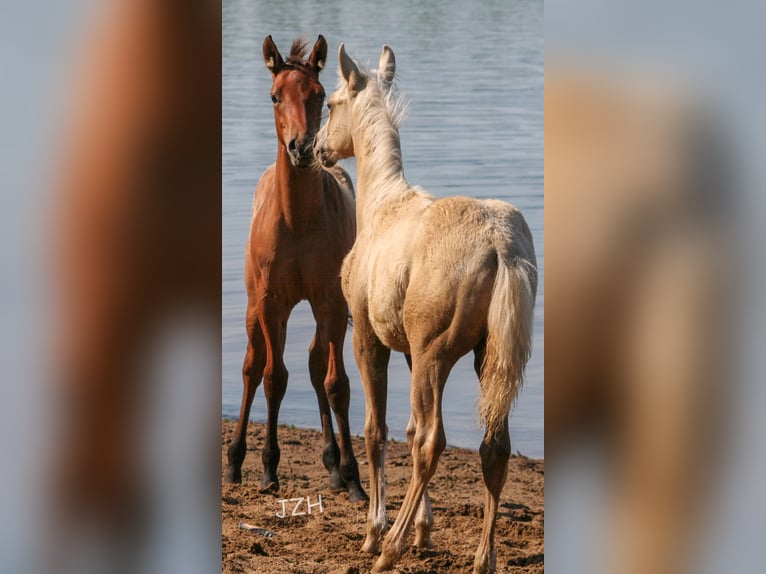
(271, 55)
(318, 54)
(350, 71)
(387, 66)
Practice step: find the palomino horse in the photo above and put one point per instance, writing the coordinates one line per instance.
(302, 227)
(434, 279)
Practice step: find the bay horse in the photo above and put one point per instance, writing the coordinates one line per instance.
(434, 279)
(301, 229)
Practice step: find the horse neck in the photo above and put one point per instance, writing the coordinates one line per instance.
(299, 191)
(380, 176)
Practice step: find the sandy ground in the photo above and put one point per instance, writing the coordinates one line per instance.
(329, 541)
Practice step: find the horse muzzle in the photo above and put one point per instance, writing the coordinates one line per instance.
(324, 156)
(301, 153)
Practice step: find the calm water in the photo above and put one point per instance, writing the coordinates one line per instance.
(473, 73)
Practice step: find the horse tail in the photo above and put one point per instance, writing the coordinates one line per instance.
(509, 340)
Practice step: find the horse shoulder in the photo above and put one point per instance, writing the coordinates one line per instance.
(264, 224)
(264, 189)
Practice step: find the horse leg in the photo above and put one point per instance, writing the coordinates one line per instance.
(372, 359)
(317, 371)
(428, 377)
(424, 519)
(252, 371)
(495, 452)
(273, 322)
(332, 327)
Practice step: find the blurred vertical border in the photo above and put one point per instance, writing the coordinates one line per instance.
(111, 246)
(654, 313)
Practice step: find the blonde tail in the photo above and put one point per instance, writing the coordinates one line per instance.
(509, 340)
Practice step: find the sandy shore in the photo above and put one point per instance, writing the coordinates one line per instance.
(329, 541)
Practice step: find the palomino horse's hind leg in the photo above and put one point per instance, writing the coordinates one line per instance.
(252, 371)
(424, 519)
(495, 452)
(429, 374)
(372, 358)
(331, 327)
(274, 386)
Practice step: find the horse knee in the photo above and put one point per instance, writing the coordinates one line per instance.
(427, 450)
(436, 444)
(375, 436)
(410, 433)
(494, 464)
(497, 451)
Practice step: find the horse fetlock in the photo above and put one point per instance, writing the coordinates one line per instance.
(376, 526)
(233, 474)
(337, 484)
(356, 493)
(423, 536)
(331, 457)
(350, 474)
(270, 458)
(485, 561)
(235, 452)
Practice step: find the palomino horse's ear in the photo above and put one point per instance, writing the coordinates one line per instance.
(318, 54)
(350, 71)
(271, 55)
(387, 66)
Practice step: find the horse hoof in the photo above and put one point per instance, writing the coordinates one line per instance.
(269, 485)
(383, 564)
(371, 546)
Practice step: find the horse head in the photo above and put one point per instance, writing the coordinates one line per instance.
(297, 96)
(334, 141)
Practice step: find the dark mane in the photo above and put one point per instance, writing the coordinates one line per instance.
(298, 52)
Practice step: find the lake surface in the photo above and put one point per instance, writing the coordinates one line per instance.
(473, 74)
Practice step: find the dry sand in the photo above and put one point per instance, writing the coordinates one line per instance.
(330, 541)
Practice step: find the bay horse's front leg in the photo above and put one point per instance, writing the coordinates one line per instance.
(252, 371)
(331, 328)
(273, 319)
(317, 372)
(372, 359)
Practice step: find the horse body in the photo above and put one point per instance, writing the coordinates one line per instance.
(301, 229)
(434, 279)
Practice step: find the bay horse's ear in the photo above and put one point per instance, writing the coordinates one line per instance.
(387, 67)
(271, 55)
(318, 54)
(350, 71)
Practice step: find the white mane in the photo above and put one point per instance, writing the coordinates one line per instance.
(378, 111)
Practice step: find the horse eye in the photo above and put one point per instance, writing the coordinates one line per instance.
(329, 106)
(274, 99)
